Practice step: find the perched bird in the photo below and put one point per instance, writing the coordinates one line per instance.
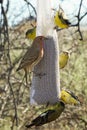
(33, 55)
(60, 19)
(69, 97)
(63, 59)
(49, 115)
(31, 33)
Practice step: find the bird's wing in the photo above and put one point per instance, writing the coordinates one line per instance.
(64, 21)
(30, 56)
(43, 118)
(72, 94)
(67, 21)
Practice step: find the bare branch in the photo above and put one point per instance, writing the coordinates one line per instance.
(6, 40)
(7, 7)
(31, 6)
(83, 16)
(80, 9)
(79, 18)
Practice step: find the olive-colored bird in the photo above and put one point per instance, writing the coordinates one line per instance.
(33, 55)
(31, 33)
(60, 19)
(63, 59)
(49, 115)
(69, 97)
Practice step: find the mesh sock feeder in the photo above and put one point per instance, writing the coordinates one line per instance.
(46, 86)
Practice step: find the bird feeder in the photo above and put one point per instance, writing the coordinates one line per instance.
(45, 86)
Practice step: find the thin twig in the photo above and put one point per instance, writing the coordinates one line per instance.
(31, 6)
(6, 34)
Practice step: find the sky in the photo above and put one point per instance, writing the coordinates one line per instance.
(18, 9)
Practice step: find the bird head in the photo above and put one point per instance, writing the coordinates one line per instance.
(66, 53)
(40, 38)
(31, 33)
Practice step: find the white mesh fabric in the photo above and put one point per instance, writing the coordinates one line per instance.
(47, 87)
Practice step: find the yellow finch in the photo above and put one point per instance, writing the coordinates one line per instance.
(60, 19)
(49, 115)
(31, 33)
(69, 97)
(63, 59)
(33, 55)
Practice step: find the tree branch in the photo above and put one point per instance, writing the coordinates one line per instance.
(31, 6)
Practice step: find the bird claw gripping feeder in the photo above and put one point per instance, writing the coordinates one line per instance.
(45, 86)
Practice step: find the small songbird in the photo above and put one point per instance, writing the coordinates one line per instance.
(60, 19)
(63, 59)
(31, 33)
(69, 97)
(51, 114)
(33, 55)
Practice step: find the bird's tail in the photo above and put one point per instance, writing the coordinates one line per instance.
(30, 125)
